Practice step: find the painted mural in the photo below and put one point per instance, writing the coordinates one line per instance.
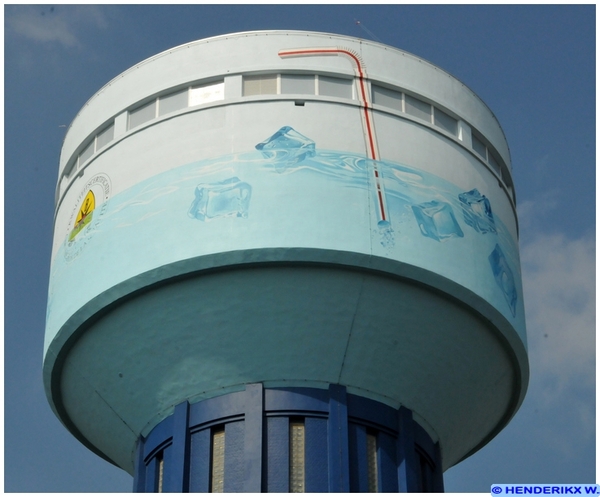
(289, 191)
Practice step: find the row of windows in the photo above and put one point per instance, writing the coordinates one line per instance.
(297, 460)
(401, 102)
(485, 153)
(412, 106)
(298, 84)
(270, 84)
(302, 84)
(189, 97)
(94, 145)
(287, 84)
(203, 447)
(297, 477)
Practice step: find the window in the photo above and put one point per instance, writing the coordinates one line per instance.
(297, 436)
(494, 162)
(510, 191)
(479, 146)
(372, 461)
(303, 84)
(105, 137)
(87, 152)
(160, 470)
(173, 102)
(217, 473)
(260, 85)
(335, 87)
(204, 94)
(387, 98)
(417, 108)
(426, 470)
(142, 114)
(444, 121)
(71, 168)
(298, 83)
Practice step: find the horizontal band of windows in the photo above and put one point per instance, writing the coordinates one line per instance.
(97, 142)
(408, 104)
(297, 84)
(280, 84)
(172, 102)
(288, 84)
(401, 102)
(489, 156)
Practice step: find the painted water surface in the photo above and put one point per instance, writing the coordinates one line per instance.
(192, 209)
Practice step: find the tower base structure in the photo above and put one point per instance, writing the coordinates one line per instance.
(288, 440)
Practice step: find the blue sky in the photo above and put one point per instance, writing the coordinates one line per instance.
(533, 65)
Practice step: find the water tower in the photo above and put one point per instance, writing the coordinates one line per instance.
(285, 261)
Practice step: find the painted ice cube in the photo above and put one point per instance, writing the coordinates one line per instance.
(228, 198)
(287, 147)
(436, 220)
(504, 278)
(477, 211)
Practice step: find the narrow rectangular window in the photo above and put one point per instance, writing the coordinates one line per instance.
(173, 102)
(217, 473)
(302, 84)
(142, 114)
(444, 121)
(387, 98)
(297, 462)
(426, 473)
(71, 168)
(265, 84)
(479, 146)
(335, 87)
(205, 94)
(511, 192)
(105, 137)
(417, 108)
(493, 162)
(372, 461)
(87, 152)
(160, 470)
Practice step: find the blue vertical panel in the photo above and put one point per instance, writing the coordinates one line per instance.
(253, 438)
(139, 478)
(426, 474)
(408, 465)
(438, 477)
(386, 457)
(373, 411)
(180, 451)
(207, 410)
(357, 448)
(151, 475)
(235, 471)
(278, 454)
(200, 461)
(167, 465)
(315, 455)
(337, 432)
(159, 435)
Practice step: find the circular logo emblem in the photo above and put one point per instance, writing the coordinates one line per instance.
(87, 214)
